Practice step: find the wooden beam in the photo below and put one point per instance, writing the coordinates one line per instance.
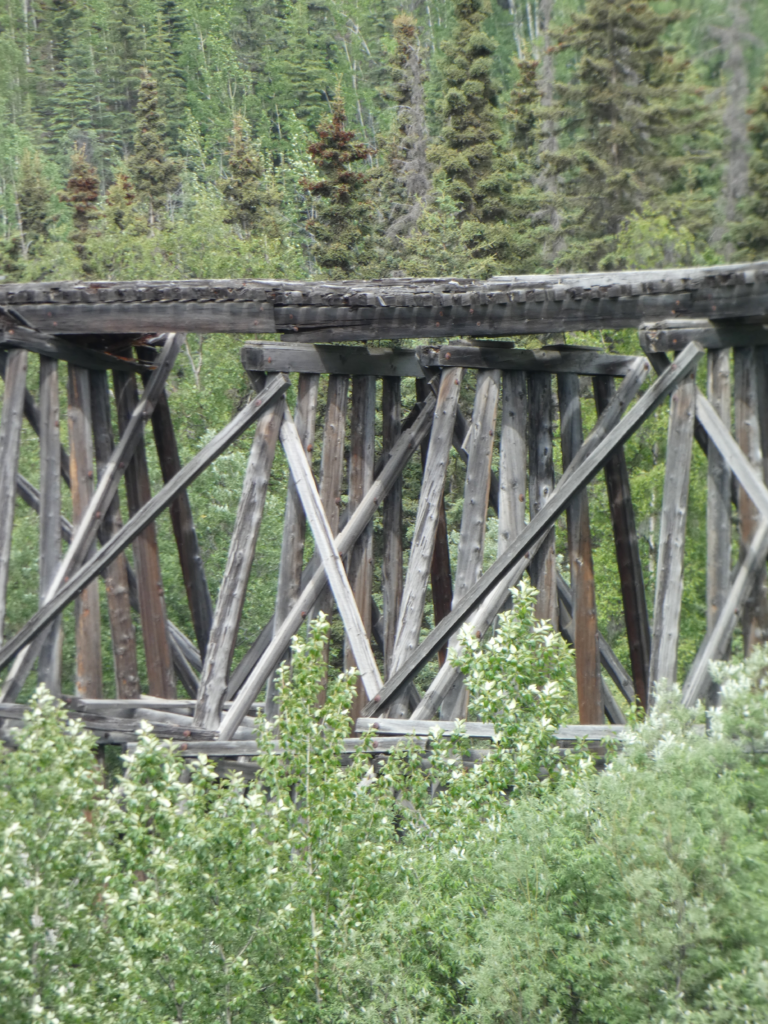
(611, 708)
(54, 348)
(424, 531)
(588, 684)
(10, 440)
(718, 493)
(49, 660)
(542, 360)
(541, 484)
(147, 514)
(88, 677)
(583, 472)
(670, 560)
(345, 360)
(234, 585)
(512, 457)
(627, 556)
(392, 526)
(674, 335)
(126, 317)
(406, 444)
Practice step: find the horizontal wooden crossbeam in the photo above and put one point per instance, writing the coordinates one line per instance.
(285, 357)
(674, 335)
(589, 362)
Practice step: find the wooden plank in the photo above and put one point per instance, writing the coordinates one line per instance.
(361, 465)
(392, 525)
(674, 335)
(32, 415)
(124, 654)
(10, 440)
(543, 360)
(157, 652)
(541, 482)
(588, 684)
(150, 317)
(469, 559)
(234, 584)
(359, 360)
(424, 727)
(294, 525)
(112, 548)
(747, 429)
(88, 677)
(611, 708)
(627, 556)
(407, 443)
(329, 554)
(583, 472)
(741, 468)
(512, 457)
(718, 493)
(49, 660)
(674, 509)
(54, 348)
(190, 558)
(424, 531)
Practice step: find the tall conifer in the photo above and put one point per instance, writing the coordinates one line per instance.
(155, 176)
(751, 236)
(248, 199)
(33, 198)
(82, 194)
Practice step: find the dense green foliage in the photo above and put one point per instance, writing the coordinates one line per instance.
(321, 893)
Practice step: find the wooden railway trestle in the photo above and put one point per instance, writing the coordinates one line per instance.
(131, 330)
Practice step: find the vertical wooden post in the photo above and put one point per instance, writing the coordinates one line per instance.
(392, 562)
(116, 573)
(149, 579)
(294, 525)
(627, 555)
(49, 661)
(588, 683)
(512, 458)
(718, 490)
(10, 440)
(88, 678)
(747, 416)
(360, 560)
(674, 510)
(469, 559)
(540, 487)
(190, 559)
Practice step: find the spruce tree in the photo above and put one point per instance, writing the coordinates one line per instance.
(154, 175)
(120, 202)
(82, 194)
(751, 235)
(634, 127)
(341, 219)
(33, 198)
(249, 201)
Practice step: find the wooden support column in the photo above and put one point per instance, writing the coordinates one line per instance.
(627, 555)
(116, 573)
(469, 560)
(674, 511)
(149, 579)
(360, 560)
(747, 423)
(425, 528)
(718, 491)
(190, 559)
(512, 458)
(540, 486)
(88, 677)
(10, 440)
(49, 661)
(392, 512)
(294, 525)
(229, 604)
(588, 683)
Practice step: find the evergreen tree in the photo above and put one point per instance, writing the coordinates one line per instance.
(120, 201)
(154, 175)
(635, 126)
(33, 199)
(751, 235)
(341, 219)
(82, 194)
(250, 203)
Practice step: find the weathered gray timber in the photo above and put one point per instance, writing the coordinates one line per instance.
(190, 559)
(392, 522)
(749, 478)
(147, 514)
(49, 660)
(242, 548)
(54, 348)
(747, 401)
(588, 683)
(425, 727)
(406, 444)
(583, 472)
(674, 508)
(512, 457)
(718, 493)
(674, 335)
(344, 360)
(424, 531)
(116, 573)
(542, 360)
(541, 481)
(10, 439)
(145, 552)
(361, 465)
(627, 556)
(477, 484)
